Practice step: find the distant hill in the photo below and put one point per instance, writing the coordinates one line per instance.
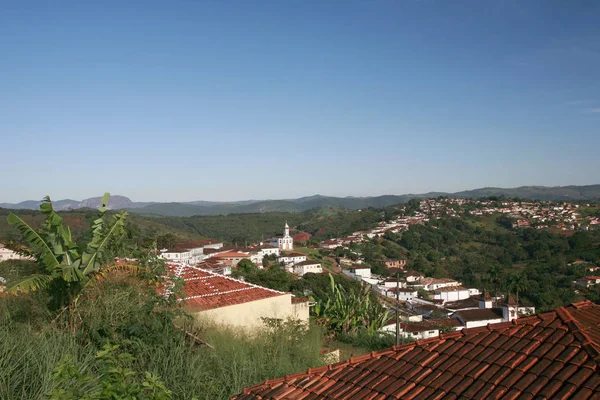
(114, 203)
(187, 209)
(556, 193)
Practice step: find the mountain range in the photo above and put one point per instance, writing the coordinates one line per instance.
(186, 209)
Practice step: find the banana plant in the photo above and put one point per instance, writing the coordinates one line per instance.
(344, 311)
(58, 255)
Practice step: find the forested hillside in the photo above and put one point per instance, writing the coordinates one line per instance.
(481, 253)
(233, 228)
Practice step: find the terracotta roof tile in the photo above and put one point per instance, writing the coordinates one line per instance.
(551, 355)
(205, 290)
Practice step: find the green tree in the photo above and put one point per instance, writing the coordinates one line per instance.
(63, 270)
(494, 277)
(518, 283)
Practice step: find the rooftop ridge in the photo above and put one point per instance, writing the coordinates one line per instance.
(592, 348)
(229, 278)
(217, 294)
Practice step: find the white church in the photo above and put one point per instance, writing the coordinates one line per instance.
(284, 243)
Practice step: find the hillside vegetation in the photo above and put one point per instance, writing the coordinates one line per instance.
(482, 253)
(303, 204)
(76, 325)
(233, 228)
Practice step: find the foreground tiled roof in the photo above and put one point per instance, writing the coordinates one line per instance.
(205, 290)
(550, 355)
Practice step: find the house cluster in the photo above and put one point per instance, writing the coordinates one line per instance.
(214, 256)
(427, 304)
(397, 225)
(553, 355)
(538, 214)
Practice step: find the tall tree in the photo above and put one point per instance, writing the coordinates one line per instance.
(62, 268)
(494, 278)
(519, 283)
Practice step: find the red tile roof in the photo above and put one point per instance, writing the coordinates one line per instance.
(206, 290)
(232, 254)
(549, 355)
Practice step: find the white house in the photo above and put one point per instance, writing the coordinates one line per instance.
(357, 273)
(304, 267)
(486, 314)
(451, 293)
(412, 276)
(410, 316)
(436, 283)
(331, 244)
(291, 258)
(365, 272)
(190, 252)
(394, 282)
(403, 293)
(414, 330)
(478, 317)
(258, 253)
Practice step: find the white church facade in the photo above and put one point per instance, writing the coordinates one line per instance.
(285, 243)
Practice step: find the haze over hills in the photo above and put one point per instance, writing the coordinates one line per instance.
(184, 209)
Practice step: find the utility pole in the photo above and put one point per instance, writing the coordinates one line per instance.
(397, 309)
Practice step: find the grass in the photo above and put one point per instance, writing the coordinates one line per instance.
(31, 346)
(313, 253)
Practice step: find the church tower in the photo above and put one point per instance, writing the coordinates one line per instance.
(287, 242)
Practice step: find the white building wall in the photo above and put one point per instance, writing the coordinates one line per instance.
(291, 259)
(405, 296)
(248, 315)
(454, 295)
(364, 272)
(412, 335)
(303, 269)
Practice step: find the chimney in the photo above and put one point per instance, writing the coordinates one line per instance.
(485, 301)
(509, 309)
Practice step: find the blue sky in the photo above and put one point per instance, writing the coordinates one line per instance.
(229, 100)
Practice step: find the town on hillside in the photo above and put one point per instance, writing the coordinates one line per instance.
(394, 302)
(426, 305)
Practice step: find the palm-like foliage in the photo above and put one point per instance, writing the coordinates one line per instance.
(346, 311)
(58, 255)
(494, 277)
(519, 283)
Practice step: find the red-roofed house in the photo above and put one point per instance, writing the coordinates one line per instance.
(233, 302)
(233, 257)
(588, 281)
(553, 355)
